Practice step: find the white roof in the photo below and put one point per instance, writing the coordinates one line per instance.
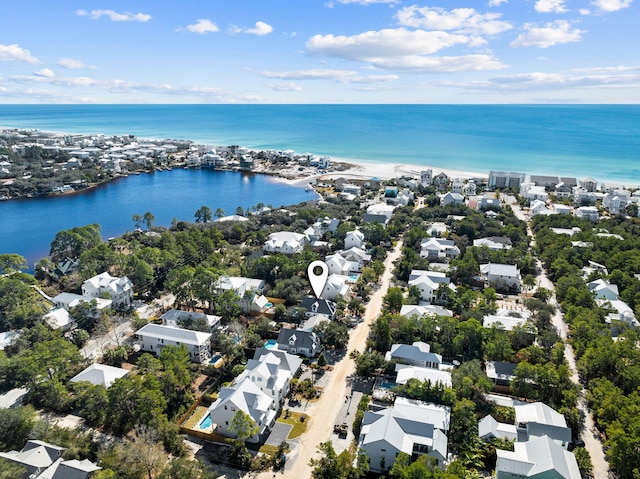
(412, 309)
(540, 413)
(509, 270)
(100, 374)
(405, 372)
(534, 458)
(503, 322)
(178, 335)
(58, 318)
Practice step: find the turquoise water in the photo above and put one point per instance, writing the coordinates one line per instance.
(215, 359)
(206, 422)
(601, 141)
(270, 344)
(28, 226)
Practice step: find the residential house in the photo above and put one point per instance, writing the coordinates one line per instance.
(602, 289)
(562, 190)
(493, 242)
(336, 286)
(44, 460)
(539, 207)
(351, 189)
(418, 354)
(406, 372)
(451, 198)
(470, 189)
(588, 213)
(7, 338)
(532, 192)
(285, 242)
(59, 318)
(436, 229)
(243, 396)
(298, 341)
(489, 428)
(501, 373)
(379, 213)
(503, 277)
(410, 426)
(318, 307)
(487, 202)
(441, 181)
(540, 458)
(271, 371)
(456, 186)
(176, 317)
(100, 375)
(506, 319)
(354, 239)
(536, 419)
(588, 183)
(428, 282)
(426, 177)
(620, 311)
(436, 248)
(338, 264)
(249, 290)
(356, 255)
(154, 337)
(615, 201)
(409, 310)
(561, 209)
(583, 197)
(120, 290)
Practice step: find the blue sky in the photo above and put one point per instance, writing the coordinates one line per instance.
(320, 51)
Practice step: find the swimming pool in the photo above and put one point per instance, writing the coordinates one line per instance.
(269, 305)
(387, 385)
(215, 359)
(206, 422)
(270, 344)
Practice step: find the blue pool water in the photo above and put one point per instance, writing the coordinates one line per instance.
(270, 344)
(387, 385)
(206, 423)
(215, 359)
(269, 305)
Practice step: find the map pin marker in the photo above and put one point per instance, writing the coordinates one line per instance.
(318, 280)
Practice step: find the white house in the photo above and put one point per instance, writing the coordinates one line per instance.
(154, 337)
(409, 310)
(428, 282)
(616, 200)
(502, 276)
(271, 371)
(410, 426)
(247, 397)
(285, 242)
(493, 242)
(588, 213)
(539, 458)
(506, 319)
(418, 354)
(318, 307)
(378, 213)
(338, 264)
(405, 372)
(487, 202)
(241, 285)
(426, 177)
(436, 229)
(119, 289)
(337, 285)
(451, 198)
(621, 311)
(561, 209)
(100, 374)
(537, 419)
(539, 207)
(354, 239)
(588, 183)
(436, 248)
(489, 428)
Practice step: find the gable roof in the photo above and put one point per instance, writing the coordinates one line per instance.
(535, 457)
(300, 337)
(246, 396)
(35, 454)
(170, 333)
(288, 362)
(318, 305)
(418, 351)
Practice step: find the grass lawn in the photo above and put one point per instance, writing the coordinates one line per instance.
(299, 427)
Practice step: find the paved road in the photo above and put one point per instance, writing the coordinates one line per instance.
(324, 412)
(589, 434)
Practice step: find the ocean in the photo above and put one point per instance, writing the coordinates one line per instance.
(601, 141)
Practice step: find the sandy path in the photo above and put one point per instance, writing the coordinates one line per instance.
(324, 412)
(589, 435)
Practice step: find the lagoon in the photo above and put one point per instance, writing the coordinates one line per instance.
(29, 225)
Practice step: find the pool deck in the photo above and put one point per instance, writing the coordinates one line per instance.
(193, 421)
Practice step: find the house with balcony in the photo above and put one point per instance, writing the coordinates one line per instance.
(417, 354)
(120, 290)
(154, 338)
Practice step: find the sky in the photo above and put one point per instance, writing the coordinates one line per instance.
(320, 51)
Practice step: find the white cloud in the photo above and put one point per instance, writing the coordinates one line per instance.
(611, 5)
(341, 76)
(550, 6)
(17, 53)
(38, 77)
(260, 29)
(45, 72)
(202, 26)
(443, 64)
(546, 81)
(497, 3)
(114, 16)
(72, 64)
(584, 11)
(290, 86)
(551, 34)
(461, 20)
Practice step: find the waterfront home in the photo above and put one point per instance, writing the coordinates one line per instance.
(242, 396)
(426, 177)
(272, 371)
(155, 337)
(285, 242)
(441, 181)
(502, 277)
(493, 242)
(410, 426)
(119, 289)
(428, 282)
(588, 183)
(298, 341)
(615, 201)
(44, 460)
(406, 372)
(538, 458)
(436, 248)
(354, 239)
(100, 375)
(176, 317)
(501, 179)
(417, 354)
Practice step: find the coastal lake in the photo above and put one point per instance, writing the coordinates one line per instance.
(29, 225)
